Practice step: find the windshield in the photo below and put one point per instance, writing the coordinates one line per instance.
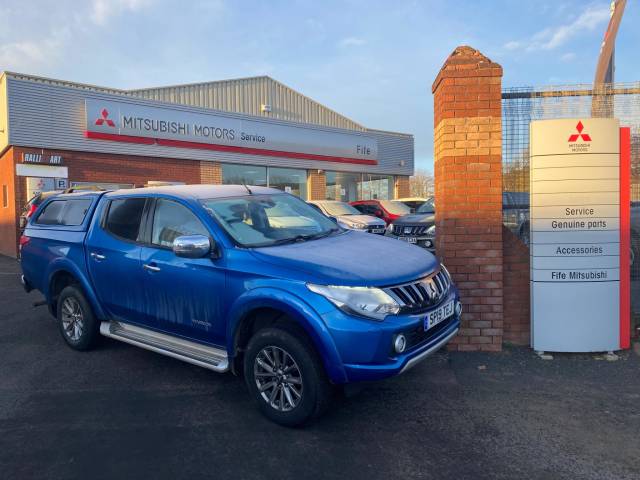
(395, 207)
(427, 207)
(266, 220)
(339, 208)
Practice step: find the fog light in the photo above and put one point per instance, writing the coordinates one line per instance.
(400, 343)
(427, 243)
(458, 309)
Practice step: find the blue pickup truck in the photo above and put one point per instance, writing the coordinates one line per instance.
(200, 274)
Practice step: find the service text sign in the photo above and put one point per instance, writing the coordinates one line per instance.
(131, 122)
(575, 234)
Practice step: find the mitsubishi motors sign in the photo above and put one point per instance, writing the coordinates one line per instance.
(580, 209)
(133, 123)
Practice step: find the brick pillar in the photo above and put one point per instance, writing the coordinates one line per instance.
(402, 189)
(517, 302)
(316, 185)
(210, 173)
(468, 189)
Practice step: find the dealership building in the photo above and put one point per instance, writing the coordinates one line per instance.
(57, 134)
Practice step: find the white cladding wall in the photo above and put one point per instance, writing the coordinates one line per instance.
(247, 95)
(50, 115)
(4, 121)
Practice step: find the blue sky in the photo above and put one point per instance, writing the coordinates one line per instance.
(373, 61)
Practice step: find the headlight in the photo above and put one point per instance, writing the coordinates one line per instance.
(366, 301)
(431, 230)
(358, 226)
(390, 228)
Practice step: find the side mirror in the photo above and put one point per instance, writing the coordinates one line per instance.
(192, 246)
(378, 213)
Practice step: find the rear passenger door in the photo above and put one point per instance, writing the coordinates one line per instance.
(113, 249)
(184, 296)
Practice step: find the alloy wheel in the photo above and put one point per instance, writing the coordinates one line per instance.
(72, 319)
(278, 378)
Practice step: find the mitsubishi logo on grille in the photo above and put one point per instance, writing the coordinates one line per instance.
(430, 286)
(407, 229)
(585, 136)
(105, 119)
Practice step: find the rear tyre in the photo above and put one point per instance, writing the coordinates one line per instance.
(78, 326)
(285, 377)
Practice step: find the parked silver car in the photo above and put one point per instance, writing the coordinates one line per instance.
(348, 217)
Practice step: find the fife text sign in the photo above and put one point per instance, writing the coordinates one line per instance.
(130, 122)
(577, 217)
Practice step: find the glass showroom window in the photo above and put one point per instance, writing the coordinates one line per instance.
(233, 174)
(290, 180)
(376, 187)
(342, 186)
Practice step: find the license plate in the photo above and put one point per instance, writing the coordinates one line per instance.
(377, 230)
(435, 317)
(410, 239)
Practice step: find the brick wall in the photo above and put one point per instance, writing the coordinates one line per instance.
(8, 217)
(99, 167)
(468, 187)
(517, 326)
(402, 189)
(210, 173)
(317, 185)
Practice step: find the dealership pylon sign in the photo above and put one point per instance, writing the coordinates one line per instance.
(580, 217)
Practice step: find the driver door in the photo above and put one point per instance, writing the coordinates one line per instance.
(184, 295)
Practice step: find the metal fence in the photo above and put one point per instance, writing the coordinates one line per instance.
(521, 105)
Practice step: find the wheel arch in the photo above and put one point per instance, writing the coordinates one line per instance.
(270, 306)
(62, 275)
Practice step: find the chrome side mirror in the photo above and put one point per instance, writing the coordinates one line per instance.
(192, 246)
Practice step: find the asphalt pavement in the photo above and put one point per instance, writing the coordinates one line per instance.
(122, 412)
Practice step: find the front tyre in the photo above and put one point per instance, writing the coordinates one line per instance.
(285, 377)
(78, 326)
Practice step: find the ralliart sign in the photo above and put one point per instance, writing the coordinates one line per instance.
(130, 122)
(580, 209)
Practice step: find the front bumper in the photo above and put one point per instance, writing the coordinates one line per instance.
(425, 241)
(365, 346)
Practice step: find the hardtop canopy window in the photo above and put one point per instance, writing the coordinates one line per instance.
(67, 212)
(267, 220)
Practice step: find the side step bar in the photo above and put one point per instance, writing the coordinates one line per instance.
(204, 356)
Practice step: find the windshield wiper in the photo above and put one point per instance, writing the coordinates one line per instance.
(302, 238)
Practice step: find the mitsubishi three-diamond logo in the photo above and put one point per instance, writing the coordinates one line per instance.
(105, 119)
(584, 136)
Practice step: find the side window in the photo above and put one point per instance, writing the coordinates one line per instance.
(124, 216)
(51, 213)
(172, 220)
(75, 212)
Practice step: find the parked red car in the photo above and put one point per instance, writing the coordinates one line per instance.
(388, 210)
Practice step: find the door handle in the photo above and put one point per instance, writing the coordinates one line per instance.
(97, 256)
(151, 268)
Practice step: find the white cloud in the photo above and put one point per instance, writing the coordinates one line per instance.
(513, 45)
(568, 57)
(551, 38)
(103, 10)
(29, 55)
(352, 42)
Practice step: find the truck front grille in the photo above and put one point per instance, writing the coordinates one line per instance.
(410, 230)
(422, 294)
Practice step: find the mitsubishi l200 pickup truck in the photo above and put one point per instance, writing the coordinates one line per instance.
(201, 274)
